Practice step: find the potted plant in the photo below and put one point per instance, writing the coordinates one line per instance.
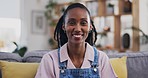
(50, 11)
(50, 16)
(20, 50)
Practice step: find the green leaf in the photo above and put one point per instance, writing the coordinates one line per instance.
(15, 44)
(22, 51)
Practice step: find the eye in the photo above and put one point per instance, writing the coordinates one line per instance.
(72, 23)
(84, 23)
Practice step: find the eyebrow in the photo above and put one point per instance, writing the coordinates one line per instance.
(83, 19)
(75, 19)
(71, 19)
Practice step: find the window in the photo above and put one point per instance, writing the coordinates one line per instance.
(10, 24)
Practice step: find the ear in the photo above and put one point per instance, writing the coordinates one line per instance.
(91, 27)
(63, 27)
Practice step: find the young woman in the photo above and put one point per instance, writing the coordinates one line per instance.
(76, 57)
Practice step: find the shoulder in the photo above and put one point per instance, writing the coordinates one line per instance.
(92, 48)
(51, 55)
(50, 59)
(102, 56)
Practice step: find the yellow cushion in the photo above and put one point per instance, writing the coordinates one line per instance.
(18, 70)
(119, 66)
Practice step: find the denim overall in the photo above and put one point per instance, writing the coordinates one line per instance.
(92, 72)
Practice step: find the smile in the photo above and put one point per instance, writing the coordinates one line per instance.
(77, 35)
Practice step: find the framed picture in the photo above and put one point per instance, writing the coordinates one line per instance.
(38, 22)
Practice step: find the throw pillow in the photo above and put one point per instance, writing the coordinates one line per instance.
(18, 70)
(119, 66)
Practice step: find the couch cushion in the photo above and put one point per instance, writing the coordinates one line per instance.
(18, 70)
(34, 56)
(119, 66)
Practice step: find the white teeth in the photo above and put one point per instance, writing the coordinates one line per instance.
(77, 35)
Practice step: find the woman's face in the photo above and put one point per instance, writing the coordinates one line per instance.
(77, 25)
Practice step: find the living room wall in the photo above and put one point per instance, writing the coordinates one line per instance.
(34, 41)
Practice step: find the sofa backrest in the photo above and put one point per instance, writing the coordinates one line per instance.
(14, 57)
(34, 56)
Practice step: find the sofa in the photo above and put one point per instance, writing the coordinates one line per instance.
(137, 62)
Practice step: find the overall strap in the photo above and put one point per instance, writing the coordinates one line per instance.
(94, 64)
(62, 65)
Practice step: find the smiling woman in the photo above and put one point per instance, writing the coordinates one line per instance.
(76, 55)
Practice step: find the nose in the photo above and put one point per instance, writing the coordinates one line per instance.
(77, 27)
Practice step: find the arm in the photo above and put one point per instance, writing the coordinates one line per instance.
(106, 68)
(45, 69)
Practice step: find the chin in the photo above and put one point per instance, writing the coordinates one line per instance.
(78, 42)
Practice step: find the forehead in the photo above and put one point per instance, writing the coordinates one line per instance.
(77, 12)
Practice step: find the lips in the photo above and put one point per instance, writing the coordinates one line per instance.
(77, 35)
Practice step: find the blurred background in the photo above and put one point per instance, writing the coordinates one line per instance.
(122, 25)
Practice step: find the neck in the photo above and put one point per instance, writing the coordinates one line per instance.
(76, 49)
(76, 53)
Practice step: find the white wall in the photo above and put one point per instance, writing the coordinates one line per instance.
(31, 40)
(9, 9)
(144, 21)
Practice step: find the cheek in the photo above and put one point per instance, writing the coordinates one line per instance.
(87, 29)
(68, 29)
